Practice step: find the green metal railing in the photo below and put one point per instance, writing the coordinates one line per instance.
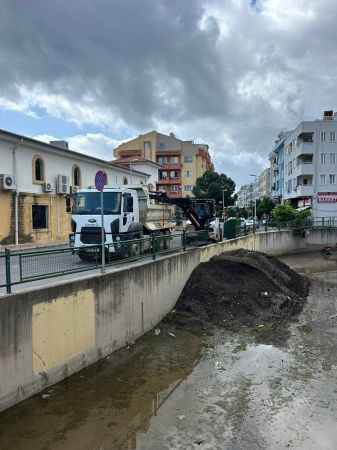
(18, 267)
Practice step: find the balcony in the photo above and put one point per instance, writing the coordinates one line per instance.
(305, 148)
(174, 194)
(166, 181)
(304, 190)
(171, 166)
(305, 169)
(163, 152)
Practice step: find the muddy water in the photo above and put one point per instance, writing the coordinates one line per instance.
(224, 391)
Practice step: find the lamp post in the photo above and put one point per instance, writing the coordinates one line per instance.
(223, 201)
(255, 218)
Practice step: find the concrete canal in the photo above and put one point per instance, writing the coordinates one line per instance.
(222, 390)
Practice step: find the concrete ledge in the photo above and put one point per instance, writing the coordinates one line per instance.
(47, 334)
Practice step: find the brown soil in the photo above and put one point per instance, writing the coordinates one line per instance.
(241, 288)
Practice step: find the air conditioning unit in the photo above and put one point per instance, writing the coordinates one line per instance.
(8, 182)
(74, 189)
(62, 184)
(47, 187)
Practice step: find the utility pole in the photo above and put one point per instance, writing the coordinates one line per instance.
(223, 201)
(255, 218)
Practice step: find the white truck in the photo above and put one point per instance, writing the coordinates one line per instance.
(129, 214)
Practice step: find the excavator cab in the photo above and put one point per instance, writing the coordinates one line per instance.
(200, 212)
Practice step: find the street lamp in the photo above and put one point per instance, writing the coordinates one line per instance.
(255, 218)
(223, 201)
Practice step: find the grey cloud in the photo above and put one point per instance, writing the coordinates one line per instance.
(180, 64)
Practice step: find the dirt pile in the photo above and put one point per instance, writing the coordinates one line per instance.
(241, 288)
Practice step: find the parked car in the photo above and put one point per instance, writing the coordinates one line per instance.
(249, 223)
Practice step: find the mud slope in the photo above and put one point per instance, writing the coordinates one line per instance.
(241, 288)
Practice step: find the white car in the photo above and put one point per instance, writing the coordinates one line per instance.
(249, 223)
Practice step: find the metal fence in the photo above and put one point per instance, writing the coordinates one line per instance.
(18, 267)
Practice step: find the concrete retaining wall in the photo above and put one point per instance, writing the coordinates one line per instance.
(47, 334)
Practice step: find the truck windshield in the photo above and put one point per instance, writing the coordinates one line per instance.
(90, 203)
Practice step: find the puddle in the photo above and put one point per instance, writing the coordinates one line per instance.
(226, 391)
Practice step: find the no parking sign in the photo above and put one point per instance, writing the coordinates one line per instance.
(100, 180)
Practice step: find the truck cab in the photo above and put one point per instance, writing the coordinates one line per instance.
(120, 216)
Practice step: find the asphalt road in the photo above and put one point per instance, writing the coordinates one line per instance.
(57, 263)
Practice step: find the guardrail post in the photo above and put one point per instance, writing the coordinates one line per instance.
(183, 237)
(8, 271)
(153, 246)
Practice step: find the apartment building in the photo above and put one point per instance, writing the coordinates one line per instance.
(263, 184)
(246, 196)
(310, 166)
(276, 159)
(35, 178)
(181, 162)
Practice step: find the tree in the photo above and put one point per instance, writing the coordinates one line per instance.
(264, 206)
(284, 213)
(214, 185)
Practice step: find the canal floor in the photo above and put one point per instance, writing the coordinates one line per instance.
(223, 391)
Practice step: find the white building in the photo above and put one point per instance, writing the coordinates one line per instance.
(246, 196)
(141, 165)
(264, 185)
(35, 179)
(310, 166)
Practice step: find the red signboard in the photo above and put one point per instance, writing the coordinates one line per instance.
(327, 197)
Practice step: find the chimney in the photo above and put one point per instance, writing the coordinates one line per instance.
(61, 144)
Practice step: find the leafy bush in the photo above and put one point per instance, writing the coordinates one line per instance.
(284, 213)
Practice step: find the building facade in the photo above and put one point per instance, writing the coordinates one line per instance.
(245, 196)
(141, 165)
(263, 182)
(35, 178)
(181, 162)
(276, 159)
(310, 166)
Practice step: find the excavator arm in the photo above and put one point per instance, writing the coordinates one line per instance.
(199, 211)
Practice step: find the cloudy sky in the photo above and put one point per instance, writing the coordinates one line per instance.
(230, 73)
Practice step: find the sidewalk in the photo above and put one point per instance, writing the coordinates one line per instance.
(34, 245)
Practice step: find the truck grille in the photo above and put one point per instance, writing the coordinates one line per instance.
(91, 235)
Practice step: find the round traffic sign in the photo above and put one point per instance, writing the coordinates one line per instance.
(100, 180)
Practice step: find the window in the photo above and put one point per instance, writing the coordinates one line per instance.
(188, 159)
(161, 145)
(127, 203)
(332, 136)
(125, 180)
(39, 217)
(38, 169)
(332, 158)
(322, 179)
(188, 173)
(174, 174)
(290, 168)
(322, 136)
(76, 176)
(332, 179)
(176, 188)
(163, 175)
(174, 160)
(289, 186)
(147, 146)
(323, 158)
(85, 203)
(188, 187)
